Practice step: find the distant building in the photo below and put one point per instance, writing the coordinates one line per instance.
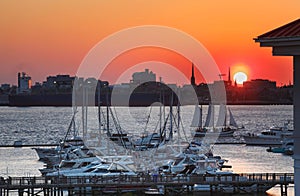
(24, 83)
(5, 87)
(36, 88)
(4, 92)
(260, 90)
(62, 81)
(259, 84)
(142, 77)
(174, 87)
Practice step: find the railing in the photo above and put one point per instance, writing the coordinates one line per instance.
(145, 179)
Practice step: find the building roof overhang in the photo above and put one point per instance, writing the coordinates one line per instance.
(284, 40)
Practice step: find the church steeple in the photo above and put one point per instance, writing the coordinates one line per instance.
(193, 76)
(229, 77)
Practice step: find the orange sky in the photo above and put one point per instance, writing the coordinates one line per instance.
(52, 37)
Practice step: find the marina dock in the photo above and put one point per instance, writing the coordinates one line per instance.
(98, 185)
(54, 145)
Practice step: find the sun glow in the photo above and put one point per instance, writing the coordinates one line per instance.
(240, 77)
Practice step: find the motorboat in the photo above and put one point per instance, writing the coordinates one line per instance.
(154, 191)
(286, 147)
(75, 166)
(43, 152)
(193, 163)
(209, 166)
(105, 170)
(149, 141)
(73, 152)
(271, 137)
(71, 159)
(121, 139)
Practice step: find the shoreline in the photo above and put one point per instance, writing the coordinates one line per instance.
(144, 105)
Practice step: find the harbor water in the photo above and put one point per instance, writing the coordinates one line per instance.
(47, 125)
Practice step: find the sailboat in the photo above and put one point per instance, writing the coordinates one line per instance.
(222, 127)
(147, 141)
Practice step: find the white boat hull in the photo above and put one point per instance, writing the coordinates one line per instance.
(220, 134)
(254, 140)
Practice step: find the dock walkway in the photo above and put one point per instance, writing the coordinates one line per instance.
(94, 185)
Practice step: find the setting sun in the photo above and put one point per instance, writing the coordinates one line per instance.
(240, 77)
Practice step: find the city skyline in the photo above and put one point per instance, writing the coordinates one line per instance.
(50, 38)
(58, 90)
(144, 74)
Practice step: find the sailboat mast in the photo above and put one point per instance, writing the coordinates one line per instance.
(213, 116)
(86, 112)
(171, 117)
(74, 112)
(107, 114)
(82, 109)
(178, 118)
(164, 107)
(225, 121)
(99, 105)
(73, 122)
(160, 110)
(178, 111)
(200, 117)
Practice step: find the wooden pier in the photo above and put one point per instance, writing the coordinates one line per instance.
(171, 184)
